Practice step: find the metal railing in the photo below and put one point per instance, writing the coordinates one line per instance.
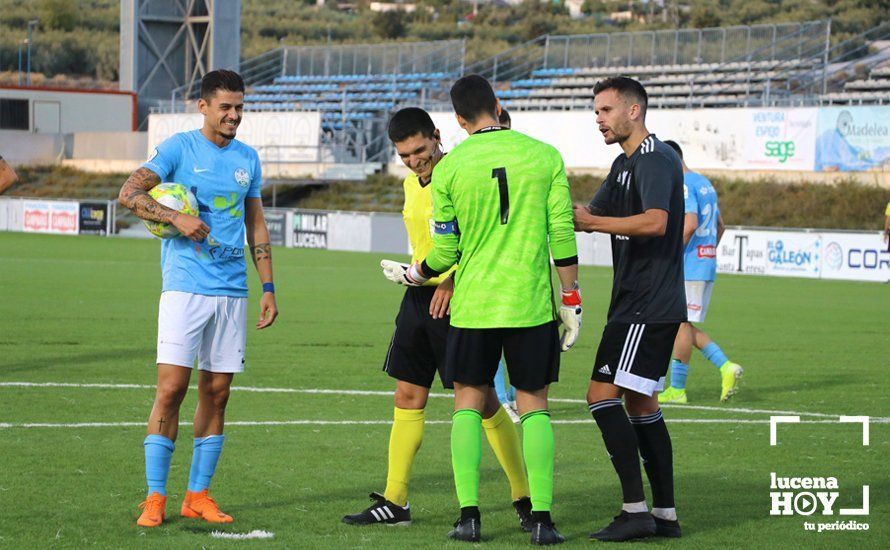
(512, 64)
(776, 66)
(745, 66)
(263, 68)
(647, 48)
(854, 55)
(385, 58)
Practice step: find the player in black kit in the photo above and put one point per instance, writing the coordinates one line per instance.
(641, 205)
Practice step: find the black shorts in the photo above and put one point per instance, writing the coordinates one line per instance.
(635, 356)
(531, 354)
(417, 349)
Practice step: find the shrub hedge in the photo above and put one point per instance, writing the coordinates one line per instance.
(847, 204)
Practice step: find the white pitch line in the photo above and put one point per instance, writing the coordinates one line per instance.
(73, 385)
(253, 423)
(234, 388)
(255, 534)
(320, 391)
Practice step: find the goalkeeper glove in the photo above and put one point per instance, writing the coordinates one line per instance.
(570, 316)
(403, 274)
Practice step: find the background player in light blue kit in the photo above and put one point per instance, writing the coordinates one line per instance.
(506, 392)
(202, 313)
(702, 229)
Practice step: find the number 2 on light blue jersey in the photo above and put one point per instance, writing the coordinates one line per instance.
(708, 227)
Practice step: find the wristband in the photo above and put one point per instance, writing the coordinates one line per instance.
(415, 275)
(269, 287)
(571, 297)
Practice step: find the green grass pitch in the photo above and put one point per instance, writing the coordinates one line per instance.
(83, 311)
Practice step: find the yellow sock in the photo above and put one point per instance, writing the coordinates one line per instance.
(404, 440)
(504, 440)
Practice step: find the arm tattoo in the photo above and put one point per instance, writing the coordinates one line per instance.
(134, 195)
(262, 251)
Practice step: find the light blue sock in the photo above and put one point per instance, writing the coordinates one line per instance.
(679, 372)
(158, 452)
(714, 354)
(195, 470)
(204, 459)
(500, 385)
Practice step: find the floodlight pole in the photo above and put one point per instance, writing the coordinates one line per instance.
(31, 24)
(20, 63)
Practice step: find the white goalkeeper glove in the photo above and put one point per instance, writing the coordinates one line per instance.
(403, 274)
(570, 317)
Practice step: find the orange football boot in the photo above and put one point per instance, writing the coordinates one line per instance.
(201, 505)
(153, 510)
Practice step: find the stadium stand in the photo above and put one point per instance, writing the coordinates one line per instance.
(341, 98)
(356, 87)
(856, 73)
(873, 89)
(680, 69)
(746, 66)
(707, 84)
(872, 86)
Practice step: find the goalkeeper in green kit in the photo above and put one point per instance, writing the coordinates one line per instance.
(501, 206)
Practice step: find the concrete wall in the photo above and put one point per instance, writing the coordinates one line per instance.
(104, 166)
(110, 145)
(11, 214)
(349, 231)
(388, 233)
(21, 147)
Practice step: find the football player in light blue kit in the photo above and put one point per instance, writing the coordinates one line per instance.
(702, 229)
(202, 313)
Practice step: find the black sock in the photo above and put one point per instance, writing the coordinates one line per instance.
(543, 517)
(469, 512)
(657, 453)
(621, 443)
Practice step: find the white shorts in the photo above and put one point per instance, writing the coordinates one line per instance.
(698, 296)
(212, 329)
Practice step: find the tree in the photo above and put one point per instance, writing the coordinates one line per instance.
(704, 16)
(59, 14)
(538, 25)
(390, 24)
(590, 7)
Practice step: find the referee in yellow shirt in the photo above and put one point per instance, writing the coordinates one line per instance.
(417, 349)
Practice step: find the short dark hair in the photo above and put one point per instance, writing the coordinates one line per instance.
(504, 118)
(473, 97)
(220, 79)
(675, 146)
(627, 87)
(409, 122)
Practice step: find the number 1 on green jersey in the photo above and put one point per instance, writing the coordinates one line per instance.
(501, 175)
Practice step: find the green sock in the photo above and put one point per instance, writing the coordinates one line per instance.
(466, 453)
(537, 446)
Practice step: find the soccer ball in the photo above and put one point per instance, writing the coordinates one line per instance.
(177, 197)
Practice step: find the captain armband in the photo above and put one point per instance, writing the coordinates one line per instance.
(446, 228)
